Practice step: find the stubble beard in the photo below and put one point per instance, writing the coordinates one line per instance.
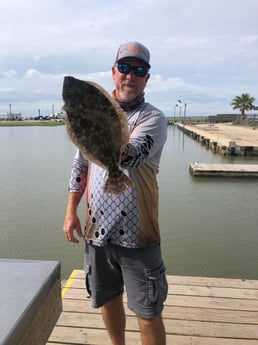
(128, 92)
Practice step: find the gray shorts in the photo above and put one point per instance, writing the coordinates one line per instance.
(141, 270)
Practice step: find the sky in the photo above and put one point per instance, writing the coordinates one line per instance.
(203, 52)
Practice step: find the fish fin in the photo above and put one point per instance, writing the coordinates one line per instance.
(118, 184)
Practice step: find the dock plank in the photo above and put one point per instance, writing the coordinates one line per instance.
(81, 336)
(178, 312)
(206, 282)
(198, 311)
(78, 279)
(191, 301)
(184, 327)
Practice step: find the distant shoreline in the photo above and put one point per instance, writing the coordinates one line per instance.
(31, 123)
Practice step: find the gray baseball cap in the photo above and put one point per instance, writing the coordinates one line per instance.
(133, 49)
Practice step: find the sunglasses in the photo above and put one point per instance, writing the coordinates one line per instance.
(125, 68)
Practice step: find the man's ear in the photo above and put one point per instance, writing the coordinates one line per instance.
(113, 71)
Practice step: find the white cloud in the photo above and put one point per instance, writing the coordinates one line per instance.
(205, 52)
(9, 74)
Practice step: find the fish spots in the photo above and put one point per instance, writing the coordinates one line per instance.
(98, 126)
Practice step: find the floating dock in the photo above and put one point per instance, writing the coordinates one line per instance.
(226, 170)
(226, 139)
(198, 311)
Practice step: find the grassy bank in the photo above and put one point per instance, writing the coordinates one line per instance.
(30, 123)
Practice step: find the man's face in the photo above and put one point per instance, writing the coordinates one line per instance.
(129, 86)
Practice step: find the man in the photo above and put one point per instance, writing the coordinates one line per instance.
(122, 232)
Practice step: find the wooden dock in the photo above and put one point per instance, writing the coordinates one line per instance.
(226, 139)
(198, 311)
(225, 170)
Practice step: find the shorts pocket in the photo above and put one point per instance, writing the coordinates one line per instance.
(156, 285)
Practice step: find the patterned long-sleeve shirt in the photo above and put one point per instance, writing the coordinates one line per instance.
(129, 219)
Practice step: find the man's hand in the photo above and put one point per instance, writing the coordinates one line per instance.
(72, 223)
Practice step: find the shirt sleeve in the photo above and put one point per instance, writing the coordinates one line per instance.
(78, 178)
(146, 140)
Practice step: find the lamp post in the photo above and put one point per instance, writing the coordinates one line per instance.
(176, 105)
(185, 104)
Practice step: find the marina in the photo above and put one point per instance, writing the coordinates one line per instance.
(198, 311)
(225, 170)
(224, 138)
(186, 205)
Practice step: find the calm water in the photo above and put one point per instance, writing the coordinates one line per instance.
(209, 226)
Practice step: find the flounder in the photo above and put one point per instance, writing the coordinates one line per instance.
(98, 126)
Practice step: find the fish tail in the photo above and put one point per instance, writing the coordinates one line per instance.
(117, 184)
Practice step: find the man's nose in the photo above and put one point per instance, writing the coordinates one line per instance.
(130, 75)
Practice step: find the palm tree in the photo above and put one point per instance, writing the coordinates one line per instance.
(244, 103)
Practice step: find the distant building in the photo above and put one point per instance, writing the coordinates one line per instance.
(250, 119)
(10, 117)
(3, 117)
(220, 118)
